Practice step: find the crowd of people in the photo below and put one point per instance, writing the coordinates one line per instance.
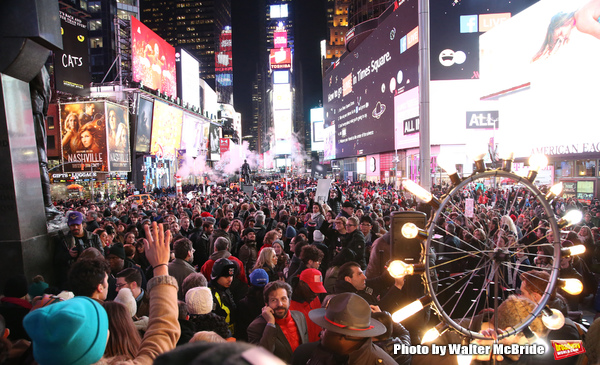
(300, 276)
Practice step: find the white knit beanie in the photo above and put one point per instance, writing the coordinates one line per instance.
(199, 300)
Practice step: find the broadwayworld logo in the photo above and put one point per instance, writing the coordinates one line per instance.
(564, 349)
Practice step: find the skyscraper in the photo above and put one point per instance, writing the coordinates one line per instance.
(201, 27)
(109, 37)
(337, 11)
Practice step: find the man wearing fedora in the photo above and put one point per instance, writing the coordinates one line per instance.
(279, 329)
(346, 339)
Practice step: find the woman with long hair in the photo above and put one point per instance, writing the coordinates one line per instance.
(113, 124)
(267, 260)
(283, 259)
(124, 340)
(235, 233)
(70, 140)
(90, 136)
(104, 239)
(317, 216)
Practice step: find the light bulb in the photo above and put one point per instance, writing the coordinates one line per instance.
(538, 162)
(555, 191)
(410, 309)
(434, 333)
(410, 230)
(430, 335)
(417, 190)
(447, 163)
(553, 320)
(399, 269)
(576, 250)
(572, 217)
(571, 286)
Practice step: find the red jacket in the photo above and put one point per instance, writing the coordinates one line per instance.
(313, 329)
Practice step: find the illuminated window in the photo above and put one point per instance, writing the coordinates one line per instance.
(96, 42)
(94, 6)
(95, 24)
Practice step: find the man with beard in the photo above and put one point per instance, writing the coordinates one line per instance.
(201, 241)
(69, 246)
(248, 251)
(278, 329)
(181, 267)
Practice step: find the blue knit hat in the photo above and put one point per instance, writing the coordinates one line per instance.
(73, 332)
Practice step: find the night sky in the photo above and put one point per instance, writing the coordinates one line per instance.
(310, 28)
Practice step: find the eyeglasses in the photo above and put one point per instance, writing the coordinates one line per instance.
(350, 225)
(121, 285)
(339, 222)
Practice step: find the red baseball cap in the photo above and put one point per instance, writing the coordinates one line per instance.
(314, 279)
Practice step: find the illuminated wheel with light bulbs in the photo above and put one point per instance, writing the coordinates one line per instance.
(472, 257)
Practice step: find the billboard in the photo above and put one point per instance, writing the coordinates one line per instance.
(282, 96)
(143, 126)
(224, 145)
(458, 26)
(215, 140)
(278, 11)
(282, 122)
(545, 80)
(119, 155)
(317, 131)
(71, 64)
(280, 58)
(280, 39)
(153, 59)
(189, 82)
(192, 134)
(223, 61)
(224, 79)
(83, 137)
(166, 130)
(281, 77)
(359, 93)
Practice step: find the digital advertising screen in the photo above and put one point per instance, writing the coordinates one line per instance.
(119, 155)
(280, 58)
(280, 39)
(72, 63)
(317, 132)
(144, 125)
(282, 96)
(281, 77)
(545, 81)
(215, 142)
(153, 59)
(455, 36)
(224, 79)
(359, 93)
(166, 130)
(282, 124)
(189, 84)
(223, 57)
(83, 137)
(192, 134)
(278, 11)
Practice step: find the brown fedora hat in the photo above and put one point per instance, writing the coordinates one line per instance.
(348, 314)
